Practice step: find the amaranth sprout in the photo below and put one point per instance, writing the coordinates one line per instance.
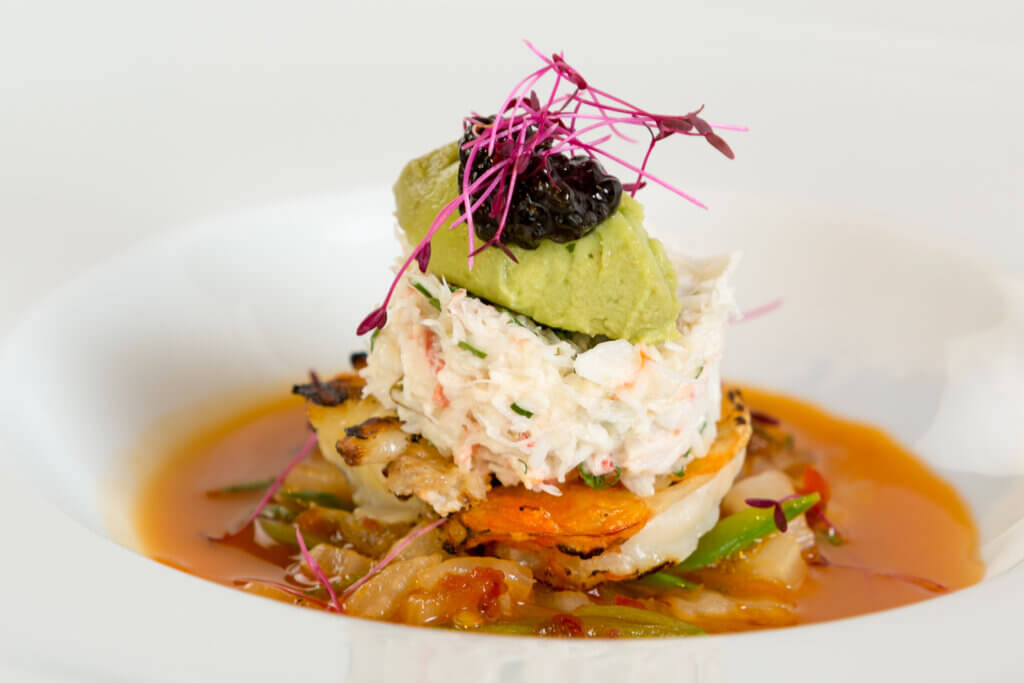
(575, 119)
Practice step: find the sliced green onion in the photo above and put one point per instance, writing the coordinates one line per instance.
(472, 349)
(434, 301)
(245, 487)
(519, 410)
(373, 337)
(571, 247)
(700, 371)
(740, 531)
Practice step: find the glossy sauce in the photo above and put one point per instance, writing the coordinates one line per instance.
(894, 513)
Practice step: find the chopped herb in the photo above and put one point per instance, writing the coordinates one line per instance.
(373, 337)
(571, 247)
(472, 349)
(526, 468)
(598, 482)
(518, 410)
(700, 371)
(246, 487)
(434, 301)
(682, 470)
(517, 321)
(703, 426)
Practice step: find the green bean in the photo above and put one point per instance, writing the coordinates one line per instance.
(638, 616)
(667, 580)
(740, 531)
(244, 487)
(321, 498)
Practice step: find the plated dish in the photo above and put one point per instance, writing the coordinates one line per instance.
(539, 441)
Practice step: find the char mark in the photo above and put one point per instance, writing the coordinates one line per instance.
(582, 554)
(331, 393)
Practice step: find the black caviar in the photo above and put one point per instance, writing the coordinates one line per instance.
(556, 197)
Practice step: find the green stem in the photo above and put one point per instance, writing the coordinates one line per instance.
(740, 531)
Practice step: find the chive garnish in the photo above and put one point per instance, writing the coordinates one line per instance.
(700, 371)
(598, 482)
(373, 337)
(518, 410)
(682, 470)
(434, 301)
(472, 349)
(571, 247)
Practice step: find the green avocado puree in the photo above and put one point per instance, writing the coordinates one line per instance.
(615, 282)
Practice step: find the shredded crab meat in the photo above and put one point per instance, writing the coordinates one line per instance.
(499, 394)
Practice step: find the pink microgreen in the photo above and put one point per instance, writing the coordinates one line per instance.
(291, 590)
(279, 481)
(820, 560)
(527, 126)
(780, 515)
(314, 567)
(395, 551)
(764, 309)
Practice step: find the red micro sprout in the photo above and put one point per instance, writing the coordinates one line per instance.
(314, 567)
(306, 449)
(395, 551)
(575, 118)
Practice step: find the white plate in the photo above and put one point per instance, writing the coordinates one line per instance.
(252, 301)
(119, 122)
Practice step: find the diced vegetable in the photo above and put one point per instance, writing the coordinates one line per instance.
(777, 560)
(771, 484)
(739, 531)
(344, 566)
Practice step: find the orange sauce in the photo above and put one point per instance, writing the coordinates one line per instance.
(896, 515)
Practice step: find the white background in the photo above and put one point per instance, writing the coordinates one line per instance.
(120, 121)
